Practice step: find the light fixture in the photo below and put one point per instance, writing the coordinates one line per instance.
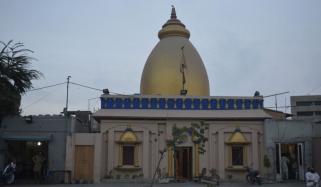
(38, 143)
(106, 91)
(183, 92)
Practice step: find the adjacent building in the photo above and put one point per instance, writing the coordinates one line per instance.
(306, 107)
(24, 138)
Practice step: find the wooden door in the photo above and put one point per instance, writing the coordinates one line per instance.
(84, 161)
(183, 162)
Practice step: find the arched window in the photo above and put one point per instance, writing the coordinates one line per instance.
(237, 150)
(128, 148)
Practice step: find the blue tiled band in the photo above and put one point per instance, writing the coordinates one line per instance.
(181, 103)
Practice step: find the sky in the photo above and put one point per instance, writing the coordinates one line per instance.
(271, 46)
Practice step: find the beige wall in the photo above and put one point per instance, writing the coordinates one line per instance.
(94, 139)
(153, 135)
(146, 132)
(219, 133)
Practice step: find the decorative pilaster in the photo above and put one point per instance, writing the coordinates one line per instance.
(221, 155)
(120, 155)
(110, 152)
(228, 161)
(136, 155)
(196, 160)
(255, 154)
(170, 161)
(146, 156)
(245, 155)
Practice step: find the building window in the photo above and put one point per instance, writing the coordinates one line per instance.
(237, 155)
(237, 150)
(318, 113)
(305, 113)
(128, 144)
(128, 154)
(303, 103)
(317, 102)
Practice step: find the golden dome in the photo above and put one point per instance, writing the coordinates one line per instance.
(174, 64)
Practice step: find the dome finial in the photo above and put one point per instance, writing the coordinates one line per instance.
(173, 27)
(173, 14)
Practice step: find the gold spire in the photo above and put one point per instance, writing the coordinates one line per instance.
(173, 27)
(173, 14)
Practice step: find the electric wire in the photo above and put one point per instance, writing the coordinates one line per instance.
(46, 87)
(97, 89)
(74, 83)
(35, 102)
(86, 86)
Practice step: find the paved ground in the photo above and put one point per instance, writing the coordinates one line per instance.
(188, 184)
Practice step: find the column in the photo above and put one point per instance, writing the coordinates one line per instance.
(146, 156)
(111, 151)
(170, 161)
(120, 154)
(196, 160)
(255, 154)
(97, 158)
(221, 151)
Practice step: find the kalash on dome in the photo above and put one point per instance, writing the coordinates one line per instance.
(138, 133)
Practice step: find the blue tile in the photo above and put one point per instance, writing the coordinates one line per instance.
(239, 104)
(136, 103)
(196, 104)
(205, 103)
(188, 103)
(153, 103)
(145, 103)
(170, 103)
(255, 104)
(247, 104)
(222, 104)
(109, 103)
(213, 104)
(230, 104)
(162, 103)
(127, 103)
(179, 103)
(119, 103)
(102, 103)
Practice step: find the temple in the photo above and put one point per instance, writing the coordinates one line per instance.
(175, 94)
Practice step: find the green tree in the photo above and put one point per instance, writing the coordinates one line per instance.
(15, 76)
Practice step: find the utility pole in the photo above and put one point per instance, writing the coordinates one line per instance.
(67, 92)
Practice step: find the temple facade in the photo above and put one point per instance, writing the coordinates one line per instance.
(135, 136)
